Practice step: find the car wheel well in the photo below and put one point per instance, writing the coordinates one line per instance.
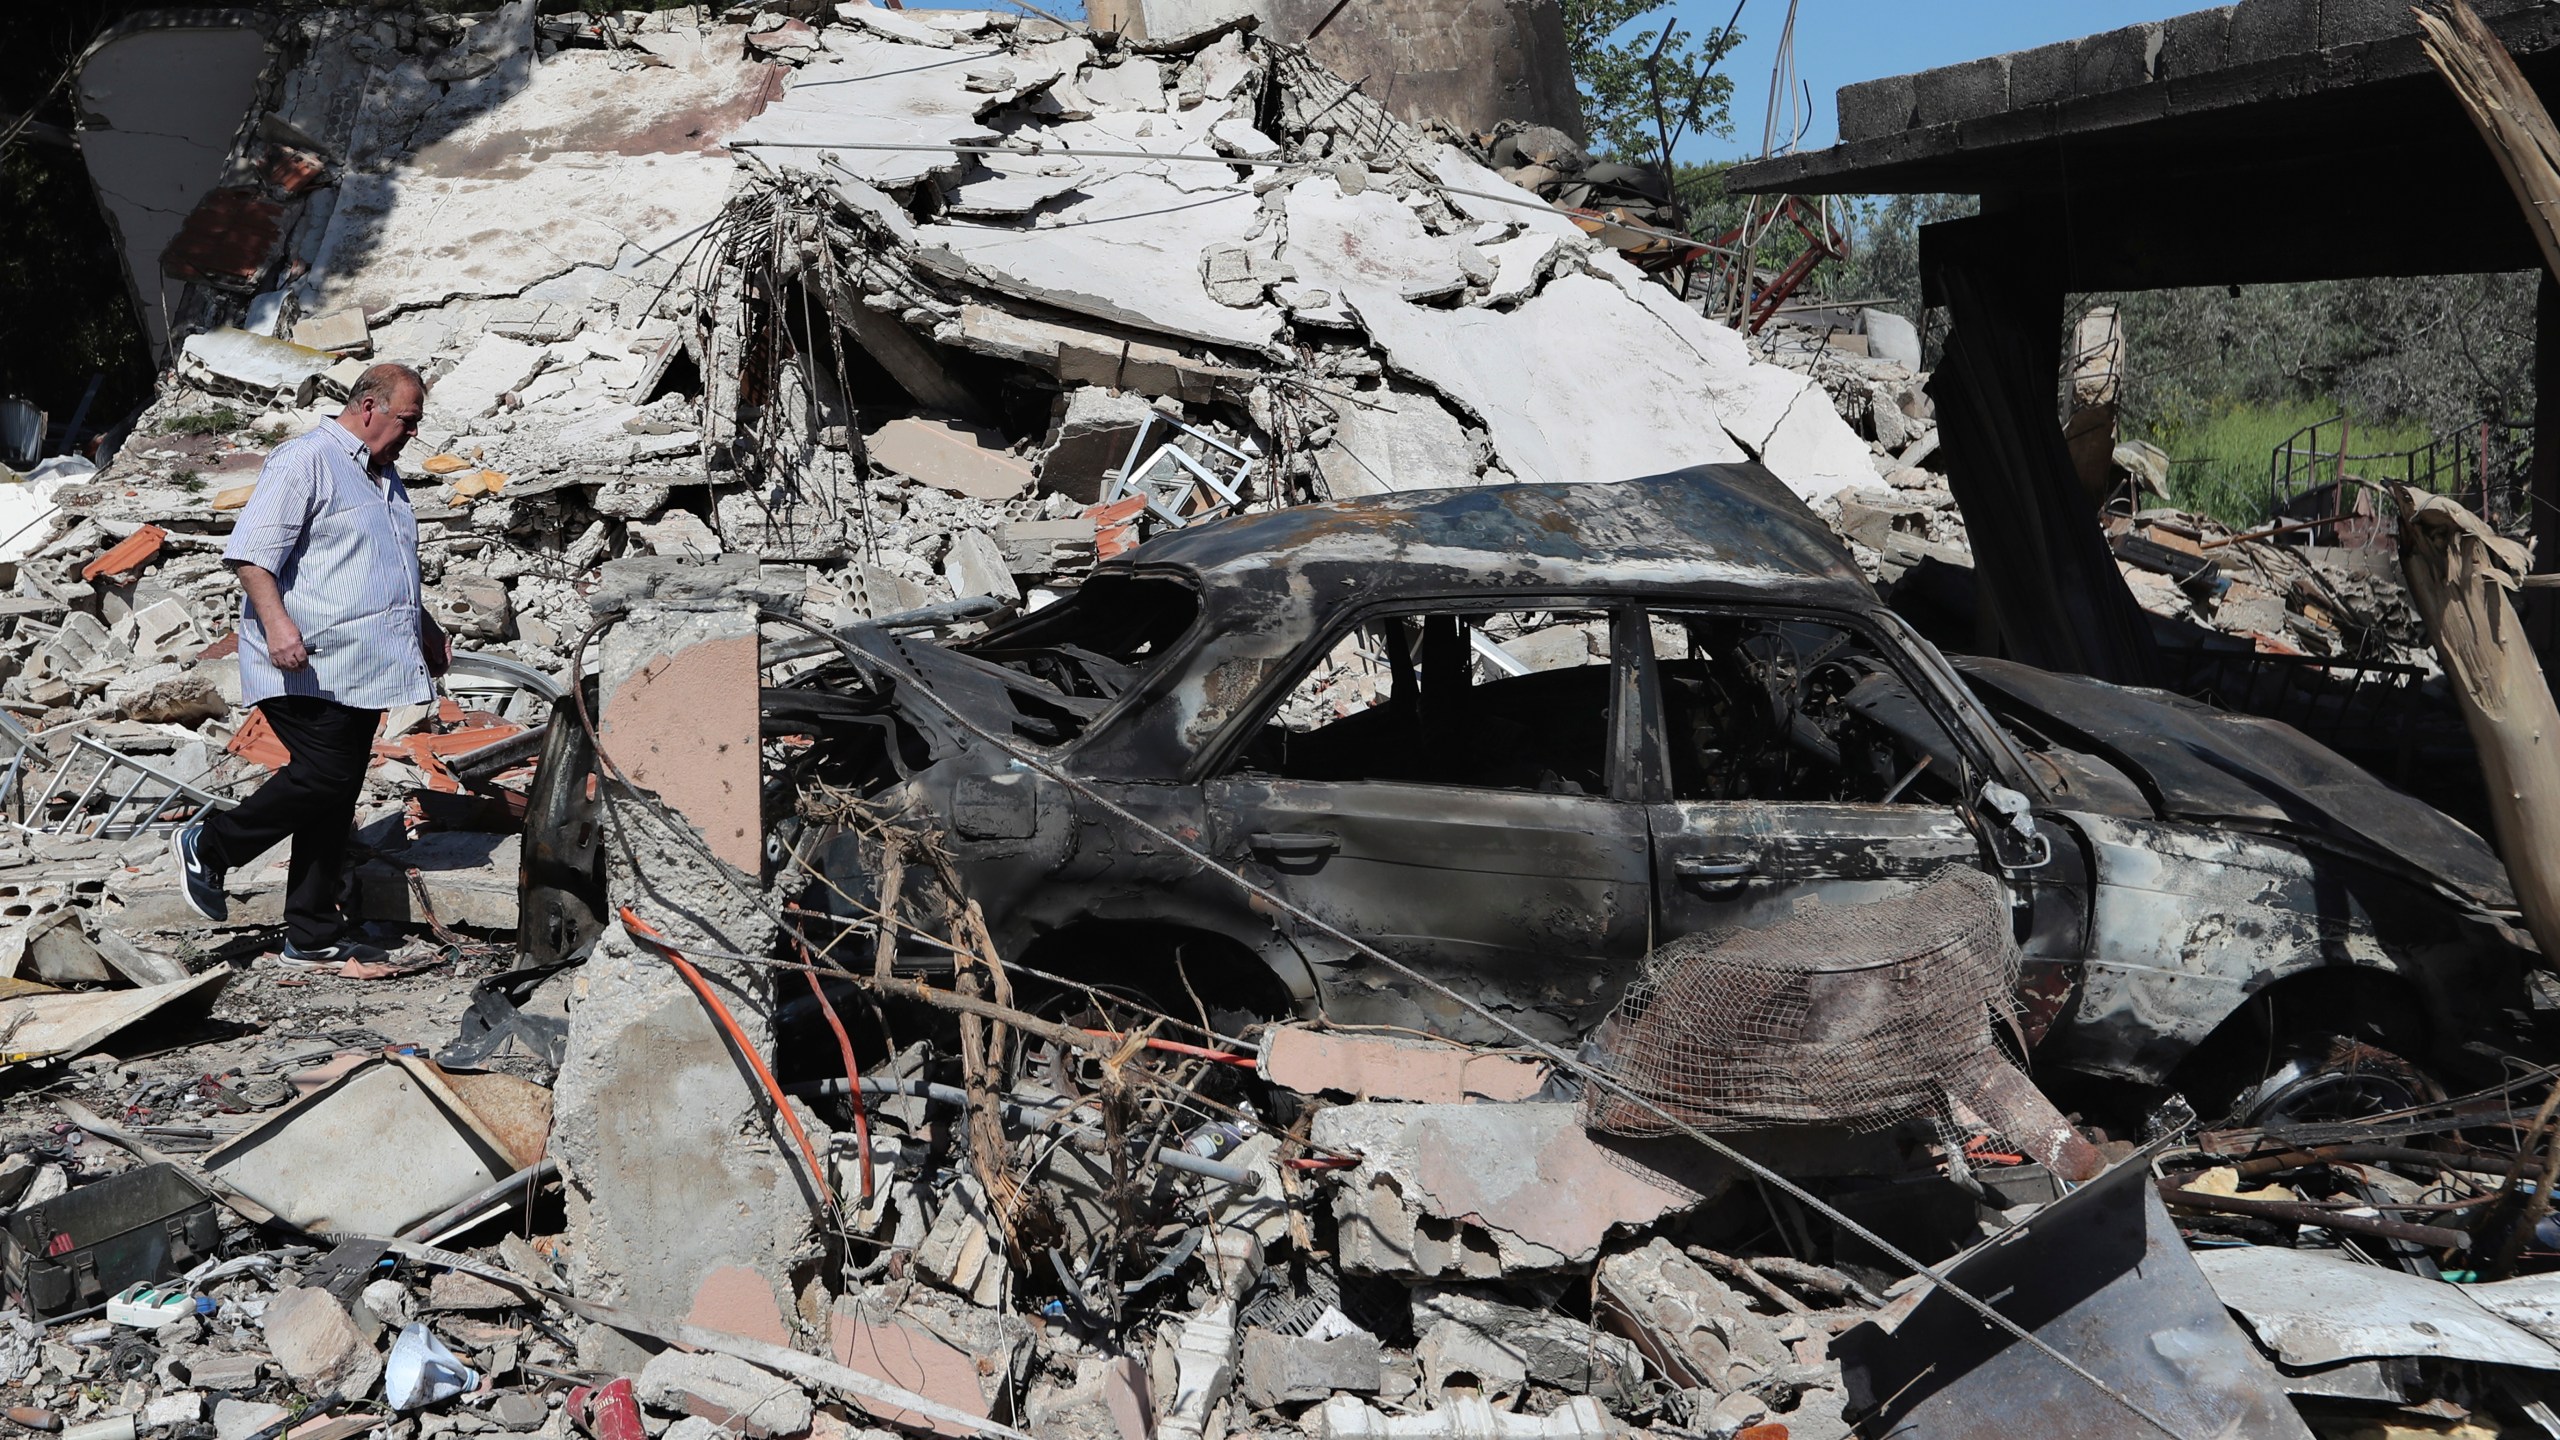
(2304, 1015)
(1154, 960)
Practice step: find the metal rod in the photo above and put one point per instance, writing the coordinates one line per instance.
(2434, 1237)
(531, 1175)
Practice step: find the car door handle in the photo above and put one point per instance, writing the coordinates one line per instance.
(1716, 871)
(1296, 846)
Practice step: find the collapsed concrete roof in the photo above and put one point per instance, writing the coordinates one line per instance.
(898, 276)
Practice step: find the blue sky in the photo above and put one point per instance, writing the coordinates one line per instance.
(1840, 42)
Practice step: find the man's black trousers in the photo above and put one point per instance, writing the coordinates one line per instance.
(312, 800)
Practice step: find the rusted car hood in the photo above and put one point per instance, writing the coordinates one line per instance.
(2198, 763)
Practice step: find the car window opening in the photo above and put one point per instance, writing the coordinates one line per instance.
(1094, 645)
(1793, 710)
(1513, 700)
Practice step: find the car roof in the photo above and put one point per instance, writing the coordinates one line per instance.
(1710, 528)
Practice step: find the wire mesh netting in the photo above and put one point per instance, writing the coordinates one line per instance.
(1853, 1015)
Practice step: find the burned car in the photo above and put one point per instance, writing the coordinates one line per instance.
(1518, 736)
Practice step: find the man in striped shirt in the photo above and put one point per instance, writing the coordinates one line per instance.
(333, 632)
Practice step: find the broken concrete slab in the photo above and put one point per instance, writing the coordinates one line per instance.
(1128, 252)
(1392, 438)
(235, 362)
(340, 332)
(1367, 242)
(726, 1391)
(1378, 1067)
(889, 92)
(975, 565)
(1277, 1369)
(1551, 383)
(1482, 1190)
(1554, 1350)
(962, 459)
(479, 383)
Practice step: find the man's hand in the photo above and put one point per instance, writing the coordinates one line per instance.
(284, 645)
(435, 645)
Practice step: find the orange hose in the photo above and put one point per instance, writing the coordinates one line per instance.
(738, 1037)
(852, 1072)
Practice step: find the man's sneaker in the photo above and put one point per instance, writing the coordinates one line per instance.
(336, 952)
(200, 884)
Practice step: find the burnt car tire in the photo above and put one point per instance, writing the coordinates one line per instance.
(2335, 1078)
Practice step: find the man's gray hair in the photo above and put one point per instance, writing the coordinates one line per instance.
(384, 383)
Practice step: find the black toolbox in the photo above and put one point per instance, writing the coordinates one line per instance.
(76, 1249)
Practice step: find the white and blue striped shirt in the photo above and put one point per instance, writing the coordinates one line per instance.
(337, 532)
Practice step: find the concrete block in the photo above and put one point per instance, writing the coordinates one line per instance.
(726, 1391)
(2271, 29)
(519, 1411)
(1872, 109)
(342, 331)
(240, 1419)
(2358, 22)
(1044, 547)
(2117, 59)
(1968, 91)
(1473, 1190)
(1094, 431)
(1276, 1369)
(953, 457)
(224, 1370)
(680, 718)
(1554, 1350)
(181, 1407)
(2046, 75)
(1697, 1328)
(311, 1335)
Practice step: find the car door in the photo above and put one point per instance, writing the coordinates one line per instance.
(1450, 786)
(1794, 766)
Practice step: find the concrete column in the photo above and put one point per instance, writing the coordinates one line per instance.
(678, 1169)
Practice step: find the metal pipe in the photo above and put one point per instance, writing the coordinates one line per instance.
(531, 1175)
(2434, 1237)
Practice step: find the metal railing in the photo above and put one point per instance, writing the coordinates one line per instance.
(2312, 475)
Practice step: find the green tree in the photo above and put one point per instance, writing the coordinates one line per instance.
(1646, 86)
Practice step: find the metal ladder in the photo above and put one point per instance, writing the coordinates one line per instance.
(143, 798)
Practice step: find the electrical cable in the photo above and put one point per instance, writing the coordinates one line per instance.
(641, 930)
